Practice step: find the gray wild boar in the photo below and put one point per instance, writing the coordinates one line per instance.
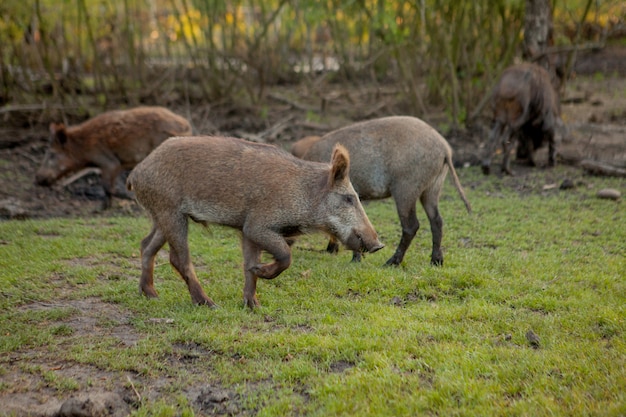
(526, 111)
(266, 193)
(113, 141)
(400, 157)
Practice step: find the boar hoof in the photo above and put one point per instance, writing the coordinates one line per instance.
(209, 303)
(436, 262)
(356, 257)
(486, 169)
(393, 261)
(251, 303)
(149, 292)
(262, 272)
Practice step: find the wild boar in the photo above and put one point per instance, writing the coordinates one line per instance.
(113, 141)
(400, 157)
(526, 110)
(261, 190)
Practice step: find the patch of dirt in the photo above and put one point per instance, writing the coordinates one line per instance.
(33, 379)
(594, 109)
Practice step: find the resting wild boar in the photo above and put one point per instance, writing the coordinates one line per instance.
(113, 141)
(526, 109)
(266, 193)
(400, 157)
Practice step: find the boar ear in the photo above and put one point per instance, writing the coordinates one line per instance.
(340, 164)
(57, 131)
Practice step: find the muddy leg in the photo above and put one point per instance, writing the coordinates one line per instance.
(251, 258)
(410, 226)
(150, 245)
(181, 261)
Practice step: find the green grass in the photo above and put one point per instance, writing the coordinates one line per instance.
(336, 338)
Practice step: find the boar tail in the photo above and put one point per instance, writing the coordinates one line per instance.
(457, 183)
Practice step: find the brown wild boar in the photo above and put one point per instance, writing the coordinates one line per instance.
(526, 110)
(400, 157)
(113, 141)
(261, 190)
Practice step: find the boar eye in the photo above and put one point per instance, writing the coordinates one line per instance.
(349, 199)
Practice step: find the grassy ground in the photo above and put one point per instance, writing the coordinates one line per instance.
(336, 338)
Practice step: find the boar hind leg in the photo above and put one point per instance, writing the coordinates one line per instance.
(251, 258)
(410, 226)
(150, 245)
(436, 228)
(552, 145)
(430, 202)
(176, 235)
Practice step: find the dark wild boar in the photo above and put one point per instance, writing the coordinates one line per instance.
(526, 111)
(400, 157)
(266, 193)
(113, 141)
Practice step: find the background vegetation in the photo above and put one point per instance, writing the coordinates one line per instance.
(444, 55)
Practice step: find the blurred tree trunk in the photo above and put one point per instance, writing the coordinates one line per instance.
(538, 33)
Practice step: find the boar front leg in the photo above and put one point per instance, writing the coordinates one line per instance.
(410, 226)
(110, 168)
(274, 244)
(509, 139)
(333, 245)
(251, 258)
(492, 143)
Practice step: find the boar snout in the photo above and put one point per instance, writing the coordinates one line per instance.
(364, 242)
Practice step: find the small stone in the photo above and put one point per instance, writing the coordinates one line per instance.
(12, 208)
(94, 404)
(396, 301)
(609, 193)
